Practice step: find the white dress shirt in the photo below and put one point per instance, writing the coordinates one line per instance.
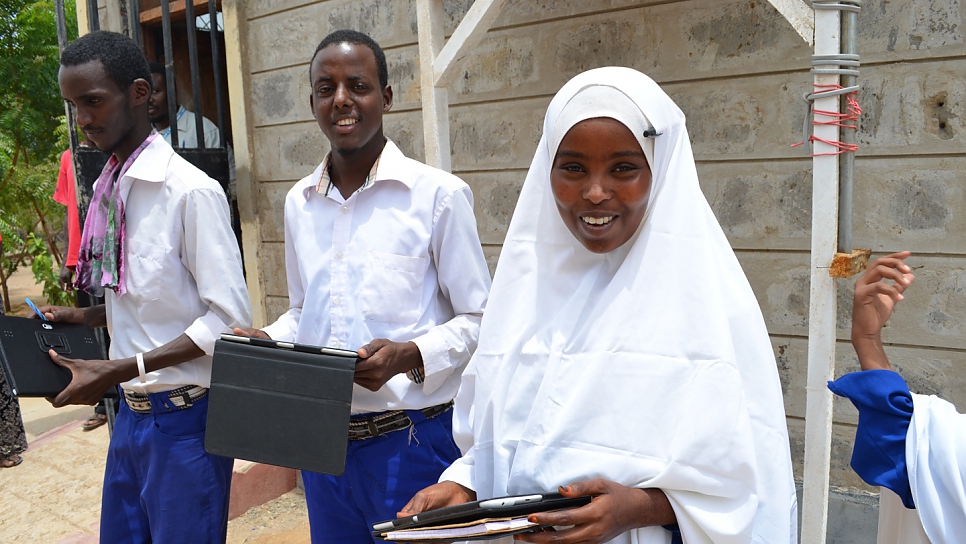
(400, 259)
(182, 267)
(188, 136)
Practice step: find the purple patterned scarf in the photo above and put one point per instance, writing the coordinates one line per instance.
(100, 262)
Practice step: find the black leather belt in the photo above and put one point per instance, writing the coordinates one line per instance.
(363, 427)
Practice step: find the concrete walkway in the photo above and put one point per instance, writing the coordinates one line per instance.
(54, 496)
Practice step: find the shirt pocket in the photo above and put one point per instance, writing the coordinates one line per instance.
(392, 287)
(144, 269)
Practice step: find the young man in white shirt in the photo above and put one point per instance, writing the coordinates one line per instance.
(184, 120)
(382, 256)
(157, 244)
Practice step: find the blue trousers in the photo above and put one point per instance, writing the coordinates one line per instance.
(381, 475)
(160, 485)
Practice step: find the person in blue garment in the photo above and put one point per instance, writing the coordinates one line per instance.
(912, 445)
(157, 245)
(382, 256)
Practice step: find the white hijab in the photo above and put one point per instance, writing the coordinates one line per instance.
(649, 365)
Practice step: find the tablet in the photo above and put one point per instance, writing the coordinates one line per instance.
(280, 403)
(24, 346)
(275, 344)
(478, 520)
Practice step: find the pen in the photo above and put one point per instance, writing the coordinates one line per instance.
(35, 309)
(387, 525)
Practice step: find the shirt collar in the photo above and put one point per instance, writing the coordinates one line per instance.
(389, 161)
(152, 163)
(325, 186)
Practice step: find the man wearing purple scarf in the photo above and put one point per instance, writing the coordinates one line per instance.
(158, 245)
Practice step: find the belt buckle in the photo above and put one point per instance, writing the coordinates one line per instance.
(137, 403)
(372, 427)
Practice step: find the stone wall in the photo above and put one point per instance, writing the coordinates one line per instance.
(738, 70)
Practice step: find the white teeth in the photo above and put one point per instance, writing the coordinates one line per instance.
(598, 220)
(346, 122)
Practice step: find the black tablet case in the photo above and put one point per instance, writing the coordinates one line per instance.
(471, 511)
(24, 344)
(280, 407)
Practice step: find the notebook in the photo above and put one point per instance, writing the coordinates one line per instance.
(24, 346)
(280, 403)
(479, 520)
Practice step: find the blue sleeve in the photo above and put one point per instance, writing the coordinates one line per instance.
(675, 531)
(885, 410)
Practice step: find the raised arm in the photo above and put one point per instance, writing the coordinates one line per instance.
(873, 303)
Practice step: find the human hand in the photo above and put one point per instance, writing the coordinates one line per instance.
(874, 300)
(873, 303)
(62, 314)
(251, 333)
(436, 496)
(614, 510)
(91, 379)
(382, 359)
(66, 279)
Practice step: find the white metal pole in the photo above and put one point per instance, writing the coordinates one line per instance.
(821, 322)
(470, 31)
(799, 15)
(435, 102)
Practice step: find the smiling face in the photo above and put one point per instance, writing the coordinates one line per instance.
(346, 98)
(107, 114)
(600, 181)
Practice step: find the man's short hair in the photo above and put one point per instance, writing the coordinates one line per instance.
(357, 38)
(122, 58)
(157, 68)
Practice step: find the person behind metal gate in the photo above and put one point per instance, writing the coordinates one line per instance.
(382, 255)
(622, 354)
(913, 446)
(157, 244)
(184, 118)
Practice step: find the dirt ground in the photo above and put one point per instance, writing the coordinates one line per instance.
(283, 520)
(21, 285)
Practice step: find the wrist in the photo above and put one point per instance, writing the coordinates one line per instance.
(412, 358)
(870, 352)
(864, 344)
(655, 508)
(123, 370)
(87, 316)
(464, 493)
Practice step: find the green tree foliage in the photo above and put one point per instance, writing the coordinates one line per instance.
(32, 132)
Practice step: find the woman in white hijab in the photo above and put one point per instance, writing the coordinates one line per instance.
(622, 353)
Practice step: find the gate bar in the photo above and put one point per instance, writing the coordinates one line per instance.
(189, 12)
(93, 20)
(216, 71)
(134, 22)
(169, 71)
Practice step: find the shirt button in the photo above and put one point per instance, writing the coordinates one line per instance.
(345, 209)
(338, 255)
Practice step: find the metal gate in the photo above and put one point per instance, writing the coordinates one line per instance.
(214, 161)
